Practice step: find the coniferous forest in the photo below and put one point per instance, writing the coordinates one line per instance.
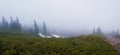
(14, 26)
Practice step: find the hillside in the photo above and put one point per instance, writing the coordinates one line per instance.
(22, 44)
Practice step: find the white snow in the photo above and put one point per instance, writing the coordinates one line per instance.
(53, 35)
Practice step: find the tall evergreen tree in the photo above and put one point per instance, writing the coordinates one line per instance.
(12, 24)
(15, 25)
(44, 29)
(18, 25)
(5, 24)
(99, 31)
(36, 30)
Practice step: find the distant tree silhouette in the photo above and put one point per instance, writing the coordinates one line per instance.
(18, 25)
(115, 34)
(99, 32)
(15, 25)
(5, 24)
(12, 23)
(45, 29)
(36, 30)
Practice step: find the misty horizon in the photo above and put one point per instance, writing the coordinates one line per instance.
(65, 15)
(59, 27)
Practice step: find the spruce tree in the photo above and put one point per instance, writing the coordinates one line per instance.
(5, 24)
(36, 30)
(18, 25)
(15, 26)
(12, 23)
(45, 29)
(99, 32)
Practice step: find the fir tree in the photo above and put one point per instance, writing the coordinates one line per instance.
(36, 30)
(15, 25)
(99, 32)
(5, 24)
(44, 29)
(18, 25)
(12, 23)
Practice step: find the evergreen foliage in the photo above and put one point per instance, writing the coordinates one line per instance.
(36, 31)
(45, 29)
(5, 24)
(22, 44)
(98, 31)
(15, 26)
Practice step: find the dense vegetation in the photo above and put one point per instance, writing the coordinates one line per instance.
(22, 44)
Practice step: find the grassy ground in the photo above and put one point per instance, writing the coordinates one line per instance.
(20, 44)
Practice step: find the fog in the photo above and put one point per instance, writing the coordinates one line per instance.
(65, 15)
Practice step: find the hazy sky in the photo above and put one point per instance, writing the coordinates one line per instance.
(72, 15)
